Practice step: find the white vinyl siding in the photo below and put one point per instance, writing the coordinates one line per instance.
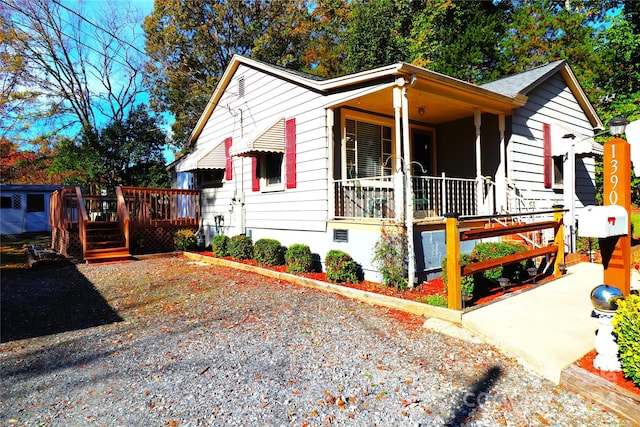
(552, 102)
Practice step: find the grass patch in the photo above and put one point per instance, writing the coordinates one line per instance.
(635, 224)
(12, 249)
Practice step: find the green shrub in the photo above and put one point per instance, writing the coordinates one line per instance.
(490, 250)
(298, 259)
(626, 327)
(219, 245)
(240, 247)
(436, 300)
(341, 267)
(468, 282)
(390, 254)
(185, 239)
(268, 252)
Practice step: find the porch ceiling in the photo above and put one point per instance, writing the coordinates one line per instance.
(441, 104)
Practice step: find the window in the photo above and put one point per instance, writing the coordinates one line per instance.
(269, 170)
(35, 202)
(558, 171)
(5, 202)
(17, 201)
(368, 149)
(209, 178)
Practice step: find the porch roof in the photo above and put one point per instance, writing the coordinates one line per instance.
(266, 139)
(203, 157)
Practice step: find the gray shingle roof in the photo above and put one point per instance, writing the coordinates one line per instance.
(523, 82)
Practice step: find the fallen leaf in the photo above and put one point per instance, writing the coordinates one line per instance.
(542, 419)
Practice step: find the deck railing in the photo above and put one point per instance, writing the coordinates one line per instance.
(123, 216)
(157, 206)
(63, 208)
(433, 196)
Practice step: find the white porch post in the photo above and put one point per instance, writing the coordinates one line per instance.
(330, 176)
(477, 121)
(398, 175)
(411, 267)
(501, 177)
(570, 198)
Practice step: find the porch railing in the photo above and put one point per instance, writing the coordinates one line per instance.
(433, 196)
(157, 206)
(365, 198)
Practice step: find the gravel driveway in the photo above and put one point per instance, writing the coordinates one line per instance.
(169, 342)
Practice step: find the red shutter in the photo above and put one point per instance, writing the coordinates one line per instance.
(255, 179)
(290, 152)
(228, 170)
(547, 159)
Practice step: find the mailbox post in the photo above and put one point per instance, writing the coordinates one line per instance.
(617, 191)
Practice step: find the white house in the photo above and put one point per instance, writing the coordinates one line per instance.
(287, 155)
(25, 208)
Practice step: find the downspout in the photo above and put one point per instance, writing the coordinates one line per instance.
(411, 267)
(331, 186)
(240, 196)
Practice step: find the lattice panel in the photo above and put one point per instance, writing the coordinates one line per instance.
(149, 240)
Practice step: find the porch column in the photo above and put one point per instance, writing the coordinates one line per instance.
(477, 121)
(501, 176)
(330, 166)
(411, 267)
(398, 176)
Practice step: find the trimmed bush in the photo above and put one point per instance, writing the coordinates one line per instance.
(390, 255)
(490, 250)
(268, 252)
(240, 247)
(219, 245)
(185, 239)
(468, 282)
(626, 327)
(341, 268)
(298, 259)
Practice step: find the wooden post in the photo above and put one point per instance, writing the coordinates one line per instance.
(558, 240)
(617, 191)
(452, 235)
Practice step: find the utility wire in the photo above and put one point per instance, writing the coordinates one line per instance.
(98, 26)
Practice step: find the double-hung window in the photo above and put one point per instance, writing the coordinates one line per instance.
(368, 149)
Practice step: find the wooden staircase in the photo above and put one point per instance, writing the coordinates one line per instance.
(105, 242)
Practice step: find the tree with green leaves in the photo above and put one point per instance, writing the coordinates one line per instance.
(459, 38)
(376, 34)
(190, 43)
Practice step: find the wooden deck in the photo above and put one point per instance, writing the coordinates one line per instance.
(106, 228)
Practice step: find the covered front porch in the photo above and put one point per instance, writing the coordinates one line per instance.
(420, 146)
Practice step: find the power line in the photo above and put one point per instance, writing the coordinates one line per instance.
(80, 42)
(98, 27)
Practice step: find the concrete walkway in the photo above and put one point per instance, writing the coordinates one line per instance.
(547, 328)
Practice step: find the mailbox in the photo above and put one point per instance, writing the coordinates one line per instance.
(603, 221)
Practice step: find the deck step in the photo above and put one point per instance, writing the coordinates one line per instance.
(105, 255)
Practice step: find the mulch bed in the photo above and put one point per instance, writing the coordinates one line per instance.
(617, 378)
(419, 293)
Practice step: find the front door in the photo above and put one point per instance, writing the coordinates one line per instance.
(422, 151)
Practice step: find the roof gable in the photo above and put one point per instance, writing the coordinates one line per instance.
(523, 83)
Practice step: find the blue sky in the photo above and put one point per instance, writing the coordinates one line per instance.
(141, 8)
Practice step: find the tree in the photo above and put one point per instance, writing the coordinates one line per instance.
(78, 72)
(190, 43)
(470, 52)
(132, 151)
(376, 34)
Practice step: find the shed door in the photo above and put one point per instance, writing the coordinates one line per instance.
(36, 215)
